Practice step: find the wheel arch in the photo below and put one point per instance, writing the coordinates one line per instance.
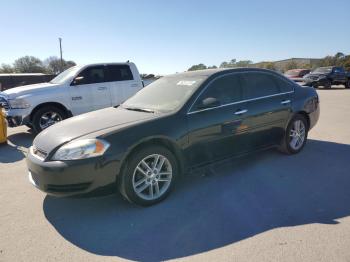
(56, 104)
(160, 141)
(304, 114)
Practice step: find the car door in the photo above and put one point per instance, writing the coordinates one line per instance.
(90, 91)
(339, 74)
(122, 83)
(218, 131)
(269, 106)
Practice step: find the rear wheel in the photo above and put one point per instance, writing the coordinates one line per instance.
(295, 136)
(149, 176)
(347, 84)
(47, 116)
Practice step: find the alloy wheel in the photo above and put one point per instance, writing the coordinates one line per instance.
(297, 135)
(152, 177)
(48, 119)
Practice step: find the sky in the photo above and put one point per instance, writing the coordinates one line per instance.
(164, 37)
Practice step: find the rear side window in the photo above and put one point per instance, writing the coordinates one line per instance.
(257, 84)
(226, 89)
(284, 86)
(92, 75)
(119, 73)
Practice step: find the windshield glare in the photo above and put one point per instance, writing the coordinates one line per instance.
(166, 94)
(65, 75)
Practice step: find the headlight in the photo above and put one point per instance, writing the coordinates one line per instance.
(18, 103)
(81, 149)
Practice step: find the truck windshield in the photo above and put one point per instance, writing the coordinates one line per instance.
(65, 75)
(166, 94)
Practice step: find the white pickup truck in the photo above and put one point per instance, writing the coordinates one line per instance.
(77, 90)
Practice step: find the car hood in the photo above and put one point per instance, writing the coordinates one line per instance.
(85, 124)
(27, 89)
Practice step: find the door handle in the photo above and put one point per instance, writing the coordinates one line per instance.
(102, 88)
(284, 102)
(240, 112)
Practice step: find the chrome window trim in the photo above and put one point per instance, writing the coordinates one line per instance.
(189, 112)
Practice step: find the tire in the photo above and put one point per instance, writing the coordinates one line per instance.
(132, 179)
(288, 142)
(50, 111)
(347, 84)
(327, 84)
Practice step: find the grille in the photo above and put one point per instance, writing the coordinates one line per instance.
(3, 103)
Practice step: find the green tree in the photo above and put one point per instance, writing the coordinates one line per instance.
(270, 66)
(212, 67)
(229, 64)
(6, 68)
(291, 65)
(28, 64)
(197, 67)
(243, 63)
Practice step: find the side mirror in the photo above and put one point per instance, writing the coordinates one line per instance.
(208, 102)
(78, 80)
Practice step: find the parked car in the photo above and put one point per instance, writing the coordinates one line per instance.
(297, 74)
(176, 123)
(77, 90)
(328, 76)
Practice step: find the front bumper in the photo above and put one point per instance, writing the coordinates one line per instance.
(66, 178)
(17, 117)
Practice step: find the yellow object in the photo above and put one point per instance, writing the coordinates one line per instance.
(3, 127)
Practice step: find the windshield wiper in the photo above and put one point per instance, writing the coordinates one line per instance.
(139, 109)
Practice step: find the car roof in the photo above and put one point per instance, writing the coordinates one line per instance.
(111, 63)
(218, 71)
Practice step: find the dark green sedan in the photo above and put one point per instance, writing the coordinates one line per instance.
(178, 122)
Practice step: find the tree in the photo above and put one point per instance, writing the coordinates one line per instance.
(6, 68)
(243, 63)
(28, 64)
(229, 64)
(53, 65)
(291, 65)
(270, 66)
(212, 67)
(197, 67)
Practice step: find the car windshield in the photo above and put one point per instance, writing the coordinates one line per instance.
(323, 70)
(166, 94)
(61, 78)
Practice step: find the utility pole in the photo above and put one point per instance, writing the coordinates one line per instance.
(60, 40)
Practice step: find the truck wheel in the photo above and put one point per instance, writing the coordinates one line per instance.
(347, 84)
(47, 116)
(327, 84)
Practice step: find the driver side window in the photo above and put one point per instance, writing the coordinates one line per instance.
(225, 89)
(92, 75)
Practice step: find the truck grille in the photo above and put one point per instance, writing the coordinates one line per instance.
(3, 103)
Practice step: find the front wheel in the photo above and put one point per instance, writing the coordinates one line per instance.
(295, 136)
(327, 84)
(47, 116)
(149, 176)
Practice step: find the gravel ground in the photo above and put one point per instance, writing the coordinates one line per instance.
(265, 207)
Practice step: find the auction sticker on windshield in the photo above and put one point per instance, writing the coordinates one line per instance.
(186, 83)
